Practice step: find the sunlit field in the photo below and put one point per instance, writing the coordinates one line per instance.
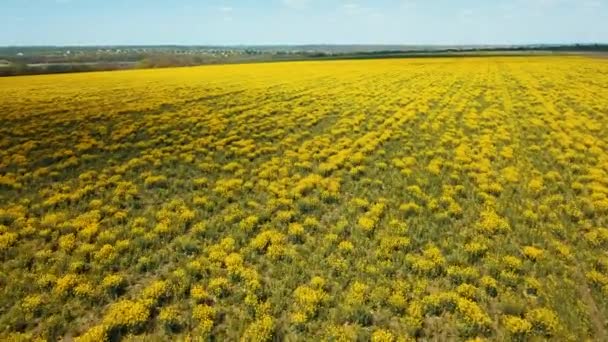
(383, 200)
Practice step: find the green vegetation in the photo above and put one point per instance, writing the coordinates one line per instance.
(50, 60)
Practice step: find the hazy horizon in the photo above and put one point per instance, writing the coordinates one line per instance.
(438, 46)
(302, 22)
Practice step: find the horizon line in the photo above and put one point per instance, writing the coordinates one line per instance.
(311, 44)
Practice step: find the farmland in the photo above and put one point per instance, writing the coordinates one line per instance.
(382, 200)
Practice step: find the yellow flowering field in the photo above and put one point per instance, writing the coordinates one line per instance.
(382, 200)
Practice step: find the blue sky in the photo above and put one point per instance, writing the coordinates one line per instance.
(228, 22)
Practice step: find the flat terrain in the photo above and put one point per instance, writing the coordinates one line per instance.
(35, 60)
(432, 199)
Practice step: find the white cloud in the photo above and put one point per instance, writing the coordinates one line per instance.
(296, 4)
(408, 4)
(467, 12)
(353, 8)
(466, 15)
(570, 3)
(593, 4)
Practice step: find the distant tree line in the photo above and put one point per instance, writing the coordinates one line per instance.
(20, 68)
(51, 60)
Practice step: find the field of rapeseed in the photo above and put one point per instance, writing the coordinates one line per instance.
(382, 200)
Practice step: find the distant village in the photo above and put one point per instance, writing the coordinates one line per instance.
(57, 59)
